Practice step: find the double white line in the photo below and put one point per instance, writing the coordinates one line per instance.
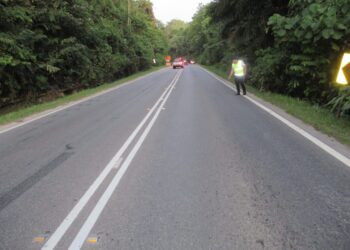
(96, 212)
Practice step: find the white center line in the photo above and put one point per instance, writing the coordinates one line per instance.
(117, 165)
(73, 214)
(96, 212)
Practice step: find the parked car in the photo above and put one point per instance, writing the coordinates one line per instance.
(178, 63)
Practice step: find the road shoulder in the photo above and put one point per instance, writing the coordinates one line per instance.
(328, 140)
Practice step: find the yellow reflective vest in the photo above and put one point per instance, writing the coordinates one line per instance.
(238, 68)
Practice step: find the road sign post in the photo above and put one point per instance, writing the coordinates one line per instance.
(168, 61)
(344, 70)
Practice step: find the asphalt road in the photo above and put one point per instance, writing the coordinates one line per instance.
(172, 161)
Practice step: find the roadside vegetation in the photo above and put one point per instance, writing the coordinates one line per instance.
(16, 113)
(53, 48)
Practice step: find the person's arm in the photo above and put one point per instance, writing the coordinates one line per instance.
(245, 68)
(231, 73)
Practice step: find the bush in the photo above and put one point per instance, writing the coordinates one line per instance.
(341, 103)
(267, 71)
(313, 36)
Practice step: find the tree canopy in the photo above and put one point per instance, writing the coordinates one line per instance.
(60, 45)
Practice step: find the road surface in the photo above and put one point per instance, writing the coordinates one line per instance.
(174, 160)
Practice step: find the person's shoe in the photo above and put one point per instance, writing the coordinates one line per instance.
(238, 94)
(244, 93)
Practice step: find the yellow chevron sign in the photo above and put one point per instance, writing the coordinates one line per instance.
(344, 70)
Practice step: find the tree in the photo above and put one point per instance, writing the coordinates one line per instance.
(63, 45)
(174, 34)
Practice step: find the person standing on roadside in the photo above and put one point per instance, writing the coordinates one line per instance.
(239, 70)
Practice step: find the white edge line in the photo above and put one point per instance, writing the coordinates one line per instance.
(58, 109)
(73, 214)
(102, 202)
(297, 129)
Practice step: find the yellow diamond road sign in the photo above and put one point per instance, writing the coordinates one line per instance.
(344, 70)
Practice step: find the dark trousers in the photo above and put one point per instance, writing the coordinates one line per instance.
(239, 81)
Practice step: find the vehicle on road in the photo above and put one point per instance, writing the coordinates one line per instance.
(178, 63)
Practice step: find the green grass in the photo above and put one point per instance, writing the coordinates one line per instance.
(23, 112)
(320, 118)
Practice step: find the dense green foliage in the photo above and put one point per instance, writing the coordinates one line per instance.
(244, 23)
(64, 45)
(174, 34)
(309, 41)
(292, 47)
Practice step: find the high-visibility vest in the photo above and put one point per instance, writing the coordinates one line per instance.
(238, 68)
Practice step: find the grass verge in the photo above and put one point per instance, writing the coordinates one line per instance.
(320, 118)
(37, 108)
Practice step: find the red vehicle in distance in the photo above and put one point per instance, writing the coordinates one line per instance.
(178, 63)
